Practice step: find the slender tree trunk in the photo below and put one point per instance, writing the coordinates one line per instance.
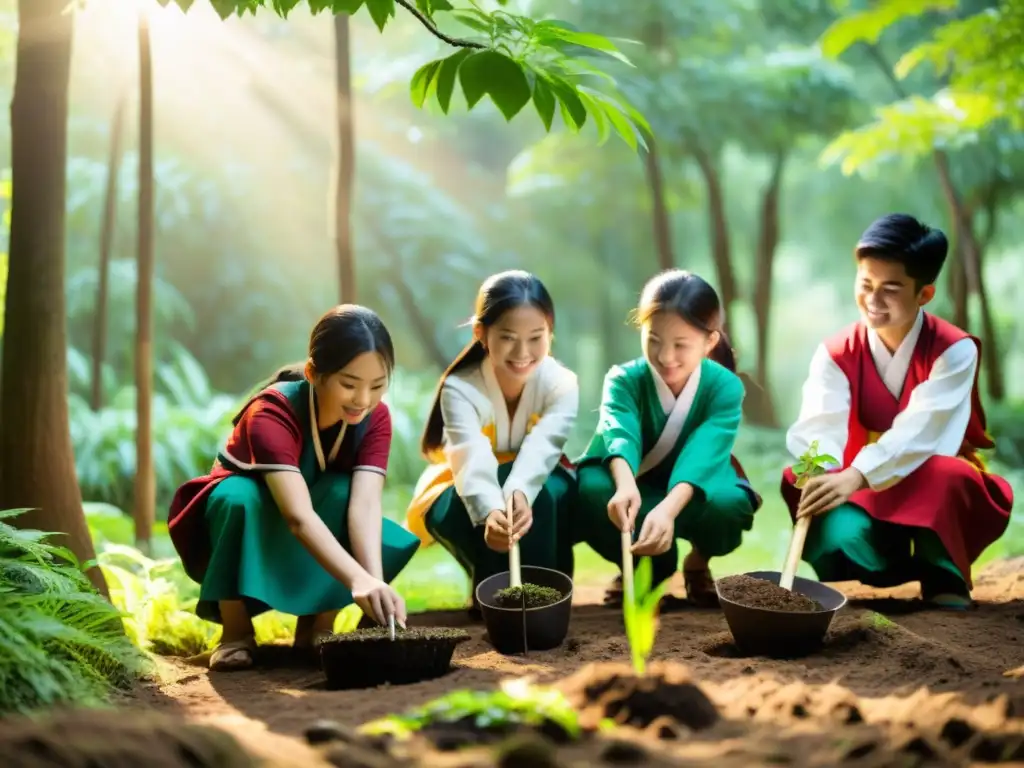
(420, 324)
(659, 210)
(992, 362)
(963, 278)
(99, 335)
(345, 173)
(721, 248)
(762, 407)
(37, 462)
(145, 479)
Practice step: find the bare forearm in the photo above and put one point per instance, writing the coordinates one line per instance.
(292, 498)
(677, 499)
(622, 474)
(364, 531)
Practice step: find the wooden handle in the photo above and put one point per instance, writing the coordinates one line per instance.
(796, 549)
(515, 573)
(627, 568)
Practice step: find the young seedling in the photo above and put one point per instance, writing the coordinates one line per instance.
(641, 615)
(812, 463)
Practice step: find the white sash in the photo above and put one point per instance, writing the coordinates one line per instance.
(677, 408)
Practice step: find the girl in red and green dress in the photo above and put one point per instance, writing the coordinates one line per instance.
(290, 517)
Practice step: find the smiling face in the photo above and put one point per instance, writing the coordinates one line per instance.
(355, 390)
(675, 348)
(886, 296)
(518, 342)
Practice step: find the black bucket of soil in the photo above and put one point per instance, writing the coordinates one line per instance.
(768, 620)
(543, 623)
(369, 657)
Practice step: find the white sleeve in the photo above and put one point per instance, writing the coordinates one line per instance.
(933, 423)
(470, 455)
(543, 446)
(824, 409)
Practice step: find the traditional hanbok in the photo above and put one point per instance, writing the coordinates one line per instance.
(912, 423)
(487, 455)
(229, 532)
(667, 440)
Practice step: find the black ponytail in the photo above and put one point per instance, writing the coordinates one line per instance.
(723, 353)
(433, 434)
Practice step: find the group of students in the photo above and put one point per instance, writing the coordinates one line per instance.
(290, 516)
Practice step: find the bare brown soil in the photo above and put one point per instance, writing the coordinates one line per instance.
(893, 685)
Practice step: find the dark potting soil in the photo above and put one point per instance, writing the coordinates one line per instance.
(536, 596)
(368, 657)
(759, 593)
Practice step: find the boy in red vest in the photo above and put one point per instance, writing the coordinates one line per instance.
(895, 398)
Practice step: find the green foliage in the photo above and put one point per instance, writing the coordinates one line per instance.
(190, 423)
(641, 615)
(976, 57)
(811, 463)
(516, 703)
(513, 59)
(61, 642)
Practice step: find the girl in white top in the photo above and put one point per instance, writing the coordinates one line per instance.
(496, 432)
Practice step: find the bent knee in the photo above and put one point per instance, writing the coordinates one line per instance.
(595, 486)
(237, 493)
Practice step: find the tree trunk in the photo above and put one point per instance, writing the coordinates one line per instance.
(992, 362)
(659, 210)
(99, 335)
(145, 478)
(345, 173)
(963, 277)
(762, 407)
(37, 463)
(721, 249)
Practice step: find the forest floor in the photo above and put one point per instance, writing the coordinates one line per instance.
(893, 685)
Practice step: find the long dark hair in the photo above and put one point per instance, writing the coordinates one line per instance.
(694, 300)
(342, 334)
(498, 294)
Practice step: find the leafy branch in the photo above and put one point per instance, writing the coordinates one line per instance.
(812, 463)
(641, 615)
(516, 60)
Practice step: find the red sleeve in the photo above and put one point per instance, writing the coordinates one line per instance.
(273, 434)
(372, 454)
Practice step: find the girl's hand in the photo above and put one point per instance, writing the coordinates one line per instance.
(624, 506)
(522, 519)
(497, 535)
(656, 534)
(378, 600)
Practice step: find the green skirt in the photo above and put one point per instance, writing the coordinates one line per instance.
(548, 544)
(714, 525)
(257, 559)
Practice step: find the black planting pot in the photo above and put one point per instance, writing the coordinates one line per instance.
(782, 634)
(546, 627)
(367, 658)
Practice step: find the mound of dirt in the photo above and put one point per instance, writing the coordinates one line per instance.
(761, 593)
(98, 739)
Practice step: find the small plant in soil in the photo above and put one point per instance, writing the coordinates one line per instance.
(516, 706)
(641, 614)
(811, 463)
(761, 593)
(535, 596)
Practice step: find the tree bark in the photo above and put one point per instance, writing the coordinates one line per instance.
(345, 172)
(721, 248)
(99, 335)
(762, 407)
(963, 277)
(659, 210)
(145, 477)
(992, 362)
(37, 463)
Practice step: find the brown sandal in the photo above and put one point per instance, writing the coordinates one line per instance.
(236, 655)
(700, 588)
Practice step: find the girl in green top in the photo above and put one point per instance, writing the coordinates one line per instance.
(660, 460)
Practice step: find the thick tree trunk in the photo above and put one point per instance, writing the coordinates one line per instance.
(37, 463)
(761, 409)
(659, 209)
(721, 248)
(145, 477)
(345, 172)
(99, 333)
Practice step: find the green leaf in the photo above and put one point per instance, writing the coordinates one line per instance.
(544, 101)
(868, 26)
(422, 79)
(799, 468)
(494, 73)
(282, 7)
(573, 112)
(546, 32)
(446, 77)
(336, 6)
(474, 20)
(381, 11)
(224, 8)
(597, 112)
(826, 458)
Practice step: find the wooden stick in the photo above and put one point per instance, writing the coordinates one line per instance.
(796, 549)
(515, 574)
(627, 568)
